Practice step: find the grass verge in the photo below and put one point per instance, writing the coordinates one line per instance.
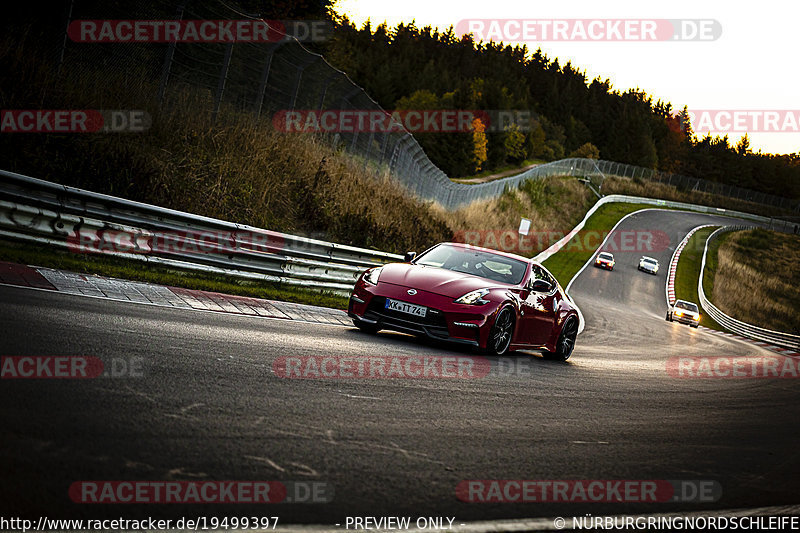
(753, 276)
(18, 252)
(655, 189)
(688, 274)
(569, 260)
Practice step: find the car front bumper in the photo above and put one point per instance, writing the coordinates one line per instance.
(685, 319)
(445, 320)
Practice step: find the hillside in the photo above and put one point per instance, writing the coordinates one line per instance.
(565, 113)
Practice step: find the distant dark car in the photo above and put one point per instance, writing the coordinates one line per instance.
(648, 264)
(685, 313)
(604, 260)
(495, 301)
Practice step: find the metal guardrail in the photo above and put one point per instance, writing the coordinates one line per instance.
(669, 287)
(737, 326)
(85, 222)
(621, 198)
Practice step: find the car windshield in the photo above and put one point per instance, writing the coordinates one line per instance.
(606, 256)
(686, 305)
(475, 262)
(650, 261)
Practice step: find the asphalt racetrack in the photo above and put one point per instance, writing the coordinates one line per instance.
(209, 406)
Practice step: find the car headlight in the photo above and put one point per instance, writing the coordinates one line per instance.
(474, 297)
(371, 276)
(679, 313)
(697, 317)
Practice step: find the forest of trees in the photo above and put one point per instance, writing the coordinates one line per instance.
(411, 68)
(422, 68)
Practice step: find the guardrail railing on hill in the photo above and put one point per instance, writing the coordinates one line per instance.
(612, 198)
(87, 222)
(737, 326)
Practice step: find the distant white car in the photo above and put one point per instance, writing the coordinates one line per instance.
(685, 313)
(648, 264)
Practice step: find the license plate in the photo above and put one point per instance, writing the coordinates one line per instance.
(404, 307)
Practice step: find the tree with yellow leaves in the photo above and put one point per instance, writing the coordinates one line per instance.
(480, 143)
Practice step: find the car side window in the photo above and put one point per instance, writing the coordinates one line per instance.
(538, 273)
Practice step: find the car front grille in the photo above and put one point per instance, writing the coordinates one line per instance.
(432, 323)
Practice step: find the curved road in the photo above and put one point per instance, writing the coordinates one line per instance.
(210, 407)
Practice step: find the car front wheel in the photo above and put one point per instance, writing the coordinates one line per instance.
(501, 333)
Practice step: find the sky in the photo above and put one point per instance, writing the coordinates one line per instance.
(753, 66)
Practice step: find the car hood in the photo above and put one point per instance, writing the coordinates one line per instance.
(436, 280)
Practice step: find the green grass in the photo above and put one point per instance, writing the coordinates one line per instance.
(17, 252)
(753, 276)
(688, 273)
(569, 260)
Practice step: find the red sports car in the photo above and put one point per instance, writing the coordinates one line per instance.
(496, 301)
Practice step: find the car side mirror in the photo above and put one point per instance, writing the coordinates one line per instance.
(409, 257)
(541, 285)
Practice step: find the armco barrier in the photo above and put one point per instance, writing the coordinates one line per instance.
(52, 214)
(58, 215)
(737, 326)
(673, 264)
(620, 198)
(612, 198)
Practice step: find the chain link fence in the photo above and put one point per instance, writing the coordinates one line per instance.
(261, 79)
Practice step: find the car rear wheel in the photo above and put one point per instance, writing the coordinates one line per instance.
(566, 342)
(501, 333)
